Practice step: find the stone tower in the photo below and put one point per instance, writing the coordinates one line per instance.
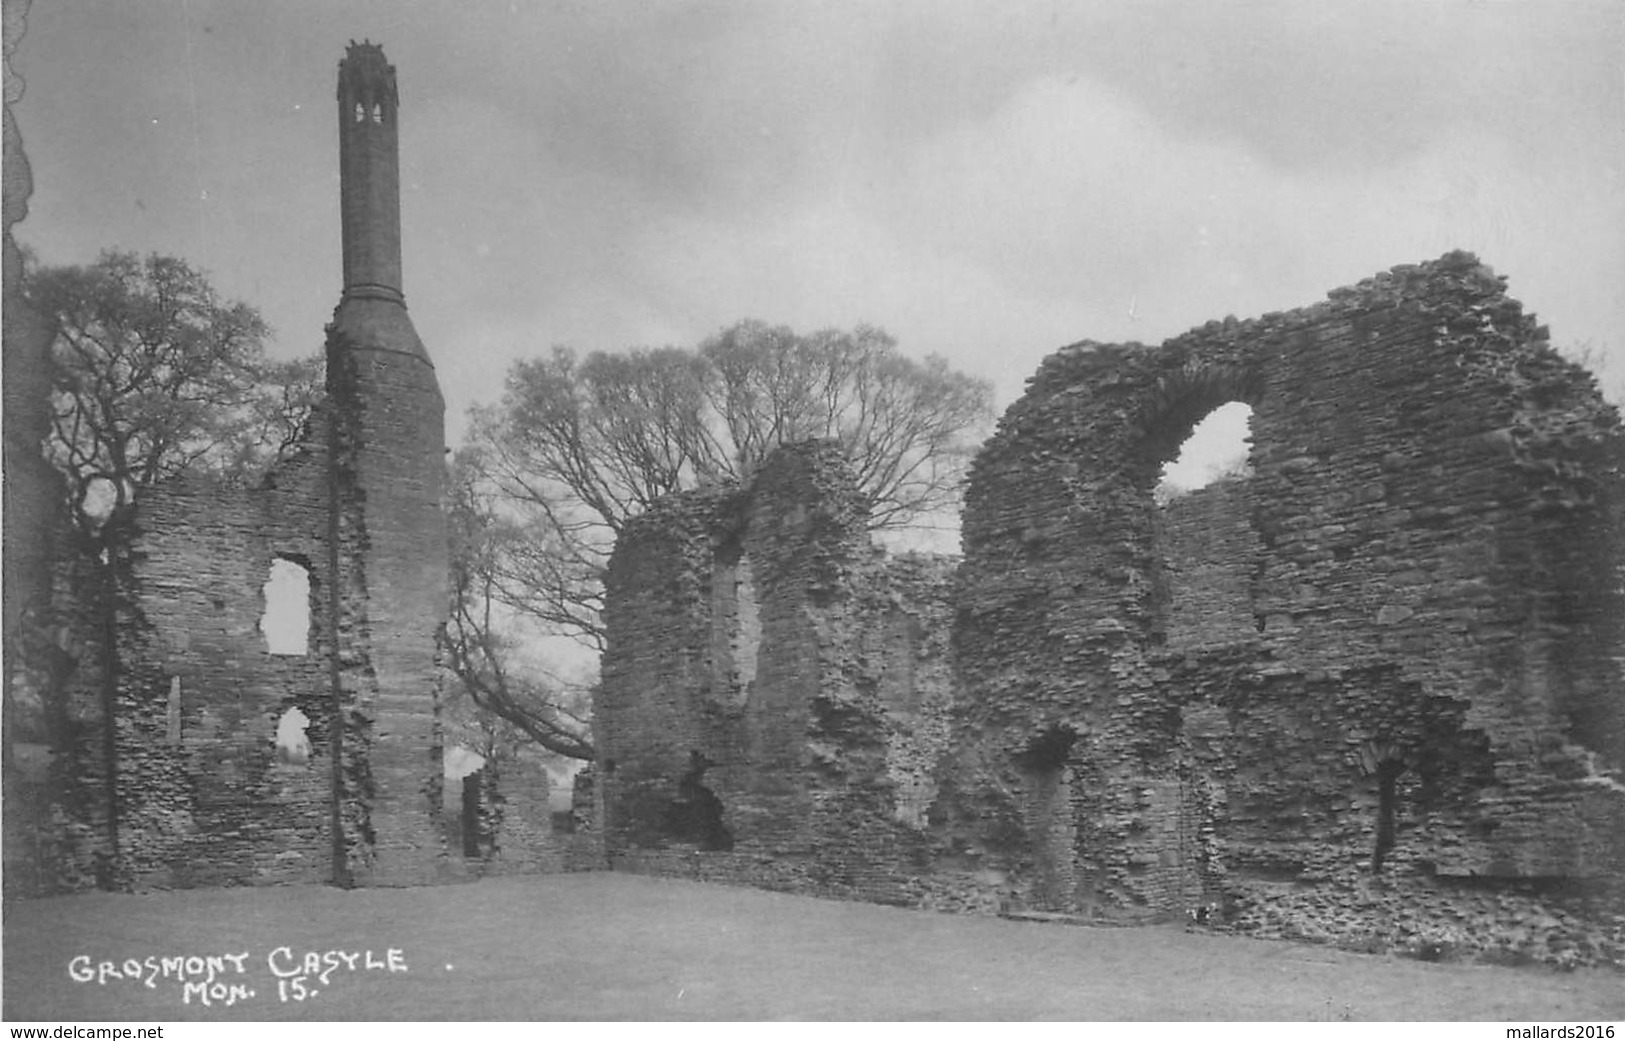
(388, 531)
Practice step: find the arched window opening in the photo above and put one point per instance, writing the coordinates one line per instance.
(1207, 547)
(377, 112)
(292, 745)
(1216, 450)
(286, 622)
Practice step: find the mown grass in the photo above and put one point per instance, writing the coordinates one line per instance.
(614, 946)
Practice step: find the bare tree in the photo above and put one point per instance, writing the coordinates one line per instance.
(576, 447)
(152, 375)
(907, 426)
(476, 648)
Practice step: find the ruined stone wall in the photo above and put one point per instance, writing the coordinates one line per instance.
(1367, 692)
(774, 696)
(163, 766)
(1428, 477)
(506, 805)
(205, 797)
(390, 529)
(186, 749)
(190, 786)
(1203, 569)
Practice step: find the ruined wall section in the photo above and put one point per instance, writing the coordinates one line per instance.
(201, 791)
(802, 731)
(1066, 781)
(205, 795)
(1207, 553)
(189, 786)
(585, 850)
(1405, 524)
(659, 701)
(389, 531)
(905, 655)
(165, 767)
(389, 534)
(774, 688)
(1428, 478)
(513, 826)
(821, 710)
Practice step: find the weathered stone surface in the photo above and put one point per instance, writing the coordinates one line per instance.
(172, 775)
(1369, 692)
(507, 825)
(775, 695)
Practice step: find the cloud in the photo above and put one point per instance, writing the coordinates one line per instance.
(988, 181)
(1069, 211)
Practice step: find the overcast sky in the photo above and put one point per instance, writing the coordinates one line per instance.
(987, 180)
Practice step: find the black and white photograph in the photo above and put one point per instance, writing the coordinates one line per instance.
(814, 511)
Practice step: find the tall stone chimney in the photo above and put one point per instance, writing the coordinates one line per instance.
(388, 529)
(369, 173)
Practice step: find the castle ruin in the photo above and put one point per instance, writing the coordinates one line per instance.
(233, 748)
(1369, 692)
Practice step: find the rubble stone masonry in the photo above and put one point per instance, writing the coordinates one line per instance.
(1367, 692)
(185, 742)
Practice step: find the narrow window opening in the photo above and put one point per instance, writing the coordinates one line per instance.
(1387, 776)
(360, 113)
(1384, 760)
(736, 624)
(748, 632)
(292, 744)
(172, 720)
(286, 622)
(1215, 450)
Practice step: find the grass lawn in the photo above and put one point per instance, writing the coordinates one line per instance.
(613, 946)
